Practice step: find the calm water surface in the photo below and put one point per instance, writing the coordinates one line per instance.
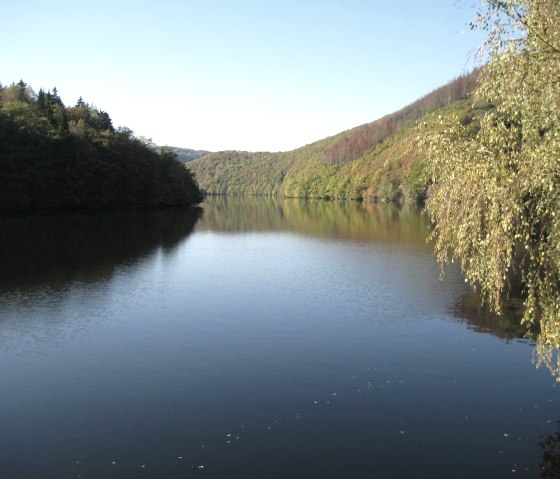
(259, 339)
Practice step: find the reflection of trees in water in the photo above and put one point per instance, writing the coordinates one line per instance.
(550, 465)
(479, 318)
(508, 326)
(345, 220)
(53, 250)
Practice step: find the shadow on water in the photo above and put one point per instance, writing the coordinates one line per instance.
(54, 250)
(479, 318)
(550, 463)
(342, 220)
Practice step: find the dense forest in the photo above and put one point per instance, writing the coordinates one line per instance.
(376, 161)
(58, 157)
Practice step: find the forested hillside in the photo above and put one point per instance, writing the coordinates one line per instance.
(184, 155)
(58, 157)
(375, 161)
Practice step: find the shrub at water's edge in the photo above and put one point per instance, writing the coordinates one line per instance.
(58, 157)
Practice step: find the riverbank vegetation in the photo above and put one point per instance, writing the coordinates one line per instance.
(495, 199)
(58, 157)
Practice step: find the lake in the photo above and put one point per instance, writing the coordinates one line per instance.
(258, 338)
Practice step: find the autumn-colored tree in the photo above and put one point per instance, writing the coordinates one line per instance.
(357, 141)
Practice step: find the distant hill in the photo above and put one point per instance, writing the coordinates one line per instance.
(184, 155)
(376, 161)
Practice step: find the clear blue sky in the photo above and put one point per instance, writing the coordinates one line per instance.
(244, 74)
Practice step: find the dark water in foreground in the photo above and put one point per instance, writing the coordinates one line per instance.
(266, 339)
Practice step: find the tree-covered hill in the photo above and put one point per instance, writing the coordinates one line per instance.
(184, 155)
(58, 157)
(376, 161)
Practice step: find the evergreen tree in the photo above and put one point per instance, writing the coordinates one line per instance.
(41, 101)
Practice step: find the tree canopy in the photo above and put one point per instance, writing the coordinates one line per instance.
(495, 201)
(53, 156)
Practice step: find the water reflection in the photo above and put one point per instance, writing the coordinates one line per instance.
(344, 220)
(158, 356)
(550, 464)
(55, 250)
(60, 249)
(354, 221)
(479, 318)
